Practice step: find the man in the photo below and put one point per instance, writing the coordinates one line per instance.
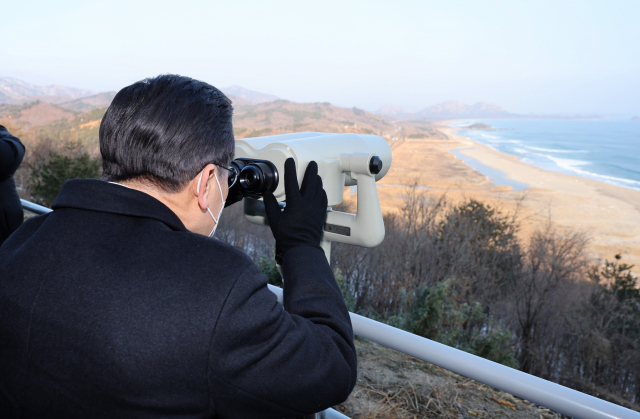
(118, 304)
(11, 154)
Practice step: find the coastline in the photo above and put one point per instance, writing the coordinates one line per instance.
(609, 215)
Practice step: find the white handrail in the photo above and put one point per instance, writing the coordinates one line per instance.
(34, 208)
(545, 393)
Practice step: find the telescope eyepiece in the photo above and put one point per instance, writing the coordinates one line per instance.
(257, 177)
(251, 178)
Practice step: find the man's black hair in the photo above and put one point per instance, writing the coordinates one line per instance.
(165, 129)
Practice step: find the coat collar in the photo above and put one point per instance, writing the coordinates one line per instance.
(98, 195)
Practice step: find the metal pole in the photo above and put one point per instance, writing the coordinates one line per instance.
(34, 208)
(332, 414)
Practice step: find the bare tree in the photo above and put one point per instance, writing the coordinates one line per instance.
(540, 294)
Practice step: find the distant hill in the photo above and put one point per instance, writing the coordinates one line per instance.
(455, 109)
(34, 113)
(248, 95)
(38, 122)
(480, 127)
(14, 91)
(239, 103)
(283, 116)
(90, 102)
(447, 110)
(392, 110)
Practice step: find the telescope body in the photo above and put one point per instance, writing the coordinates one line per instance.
(343, 160)
(323, 148)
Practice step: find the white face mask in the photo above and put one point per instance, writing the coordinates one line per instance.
(221, 208)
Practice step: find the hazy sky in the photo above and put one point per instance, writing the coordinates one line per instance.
(527, 56)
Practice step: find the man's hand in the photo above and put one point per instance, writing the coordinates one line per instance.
(302, 220)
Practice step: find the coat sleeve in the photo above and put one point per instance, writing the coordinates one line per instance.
(266, 361)
(11, 154)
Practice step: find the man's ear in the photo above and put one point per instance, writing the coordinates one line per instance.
(201, 186)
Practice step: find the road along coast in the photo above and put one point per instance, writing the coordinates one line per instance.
(609, 215)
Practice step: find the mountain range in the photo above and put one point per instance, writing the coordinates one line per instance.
(14, 91)
(17, 92)
(447, 110)
(87, 103)
(247, 95)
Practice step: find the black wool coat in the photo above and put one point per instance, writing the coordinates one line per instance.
(11, 154)
(110, 308)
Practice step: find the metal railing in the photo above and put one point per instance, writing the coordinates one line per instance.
(545, 393)
(34, 208)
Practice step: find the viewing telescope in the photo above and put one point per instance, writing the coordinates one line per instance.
(343, 160)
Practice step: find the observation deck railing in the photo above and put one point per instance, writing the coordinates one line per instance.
(542, 392)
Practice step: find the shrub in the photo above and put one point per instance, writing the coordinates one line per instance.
(267, 266)
(349, 299)
(50, 172)
(607, 358)
(438, 315)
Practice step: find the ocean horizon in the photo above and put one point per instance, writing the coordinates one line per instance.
(602, 150)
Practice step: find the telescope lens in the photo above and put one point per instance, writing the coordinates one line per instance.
(258, 177)
(250, 178)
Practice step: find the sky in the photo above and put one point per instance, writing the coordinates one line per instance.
(546, 57)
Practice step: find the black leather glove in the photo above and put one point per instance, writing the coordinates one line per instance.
(234, 195)
(302, 220)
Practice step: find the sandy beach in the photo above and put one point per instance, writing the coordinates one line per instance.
(607, 214)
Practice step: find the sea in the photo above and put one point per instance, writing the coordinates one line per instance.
(603, 150)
